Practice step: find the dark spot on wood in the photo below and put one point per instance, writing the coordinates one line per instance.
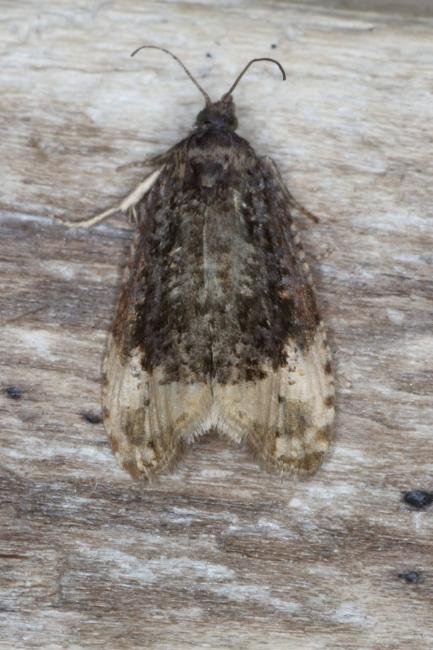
(273, 46)
(328, 368)
(411, 577)
(114, 445)
(14, 392)
(13, 556)
(105, 413)
(91, 417)
(418, 498)
(281, 398)
(209, 55)
(329, 401)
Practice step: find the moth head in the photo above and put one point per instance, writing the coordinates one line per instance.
(220, 114)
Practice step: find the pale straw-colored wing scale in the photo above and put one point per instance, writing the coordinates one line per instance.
(285, 418)
(148, 421)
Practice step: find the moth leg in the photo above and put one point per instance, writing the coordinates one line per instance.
(289, 196)
(128, 203)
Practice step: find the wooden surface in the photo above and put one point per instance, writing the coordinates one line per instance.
(218, 554)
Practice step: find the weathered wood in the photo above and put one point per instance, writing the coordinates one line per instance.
(218, 554)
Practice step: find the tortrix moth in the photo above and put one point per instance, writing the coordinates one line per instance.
(216, 325)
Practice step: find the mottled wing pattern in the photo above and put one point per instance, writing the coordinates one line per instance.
(283, 406)
(217, 324)
(153, 399)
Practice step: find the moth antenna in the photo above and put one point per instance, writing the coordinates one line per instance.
(239, 77)
(173, 56)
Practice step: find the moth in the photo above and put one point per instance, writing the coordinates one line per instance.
(216, 325)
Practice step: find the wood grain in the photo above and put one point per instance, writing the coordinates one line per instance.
(218, 554)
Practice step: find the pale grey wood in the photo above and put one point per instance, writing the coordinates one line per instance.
(218, 554)
(407, 8)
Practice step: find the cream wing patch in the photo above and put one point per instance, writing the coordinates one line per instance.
(145, 419)
(286, 417)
